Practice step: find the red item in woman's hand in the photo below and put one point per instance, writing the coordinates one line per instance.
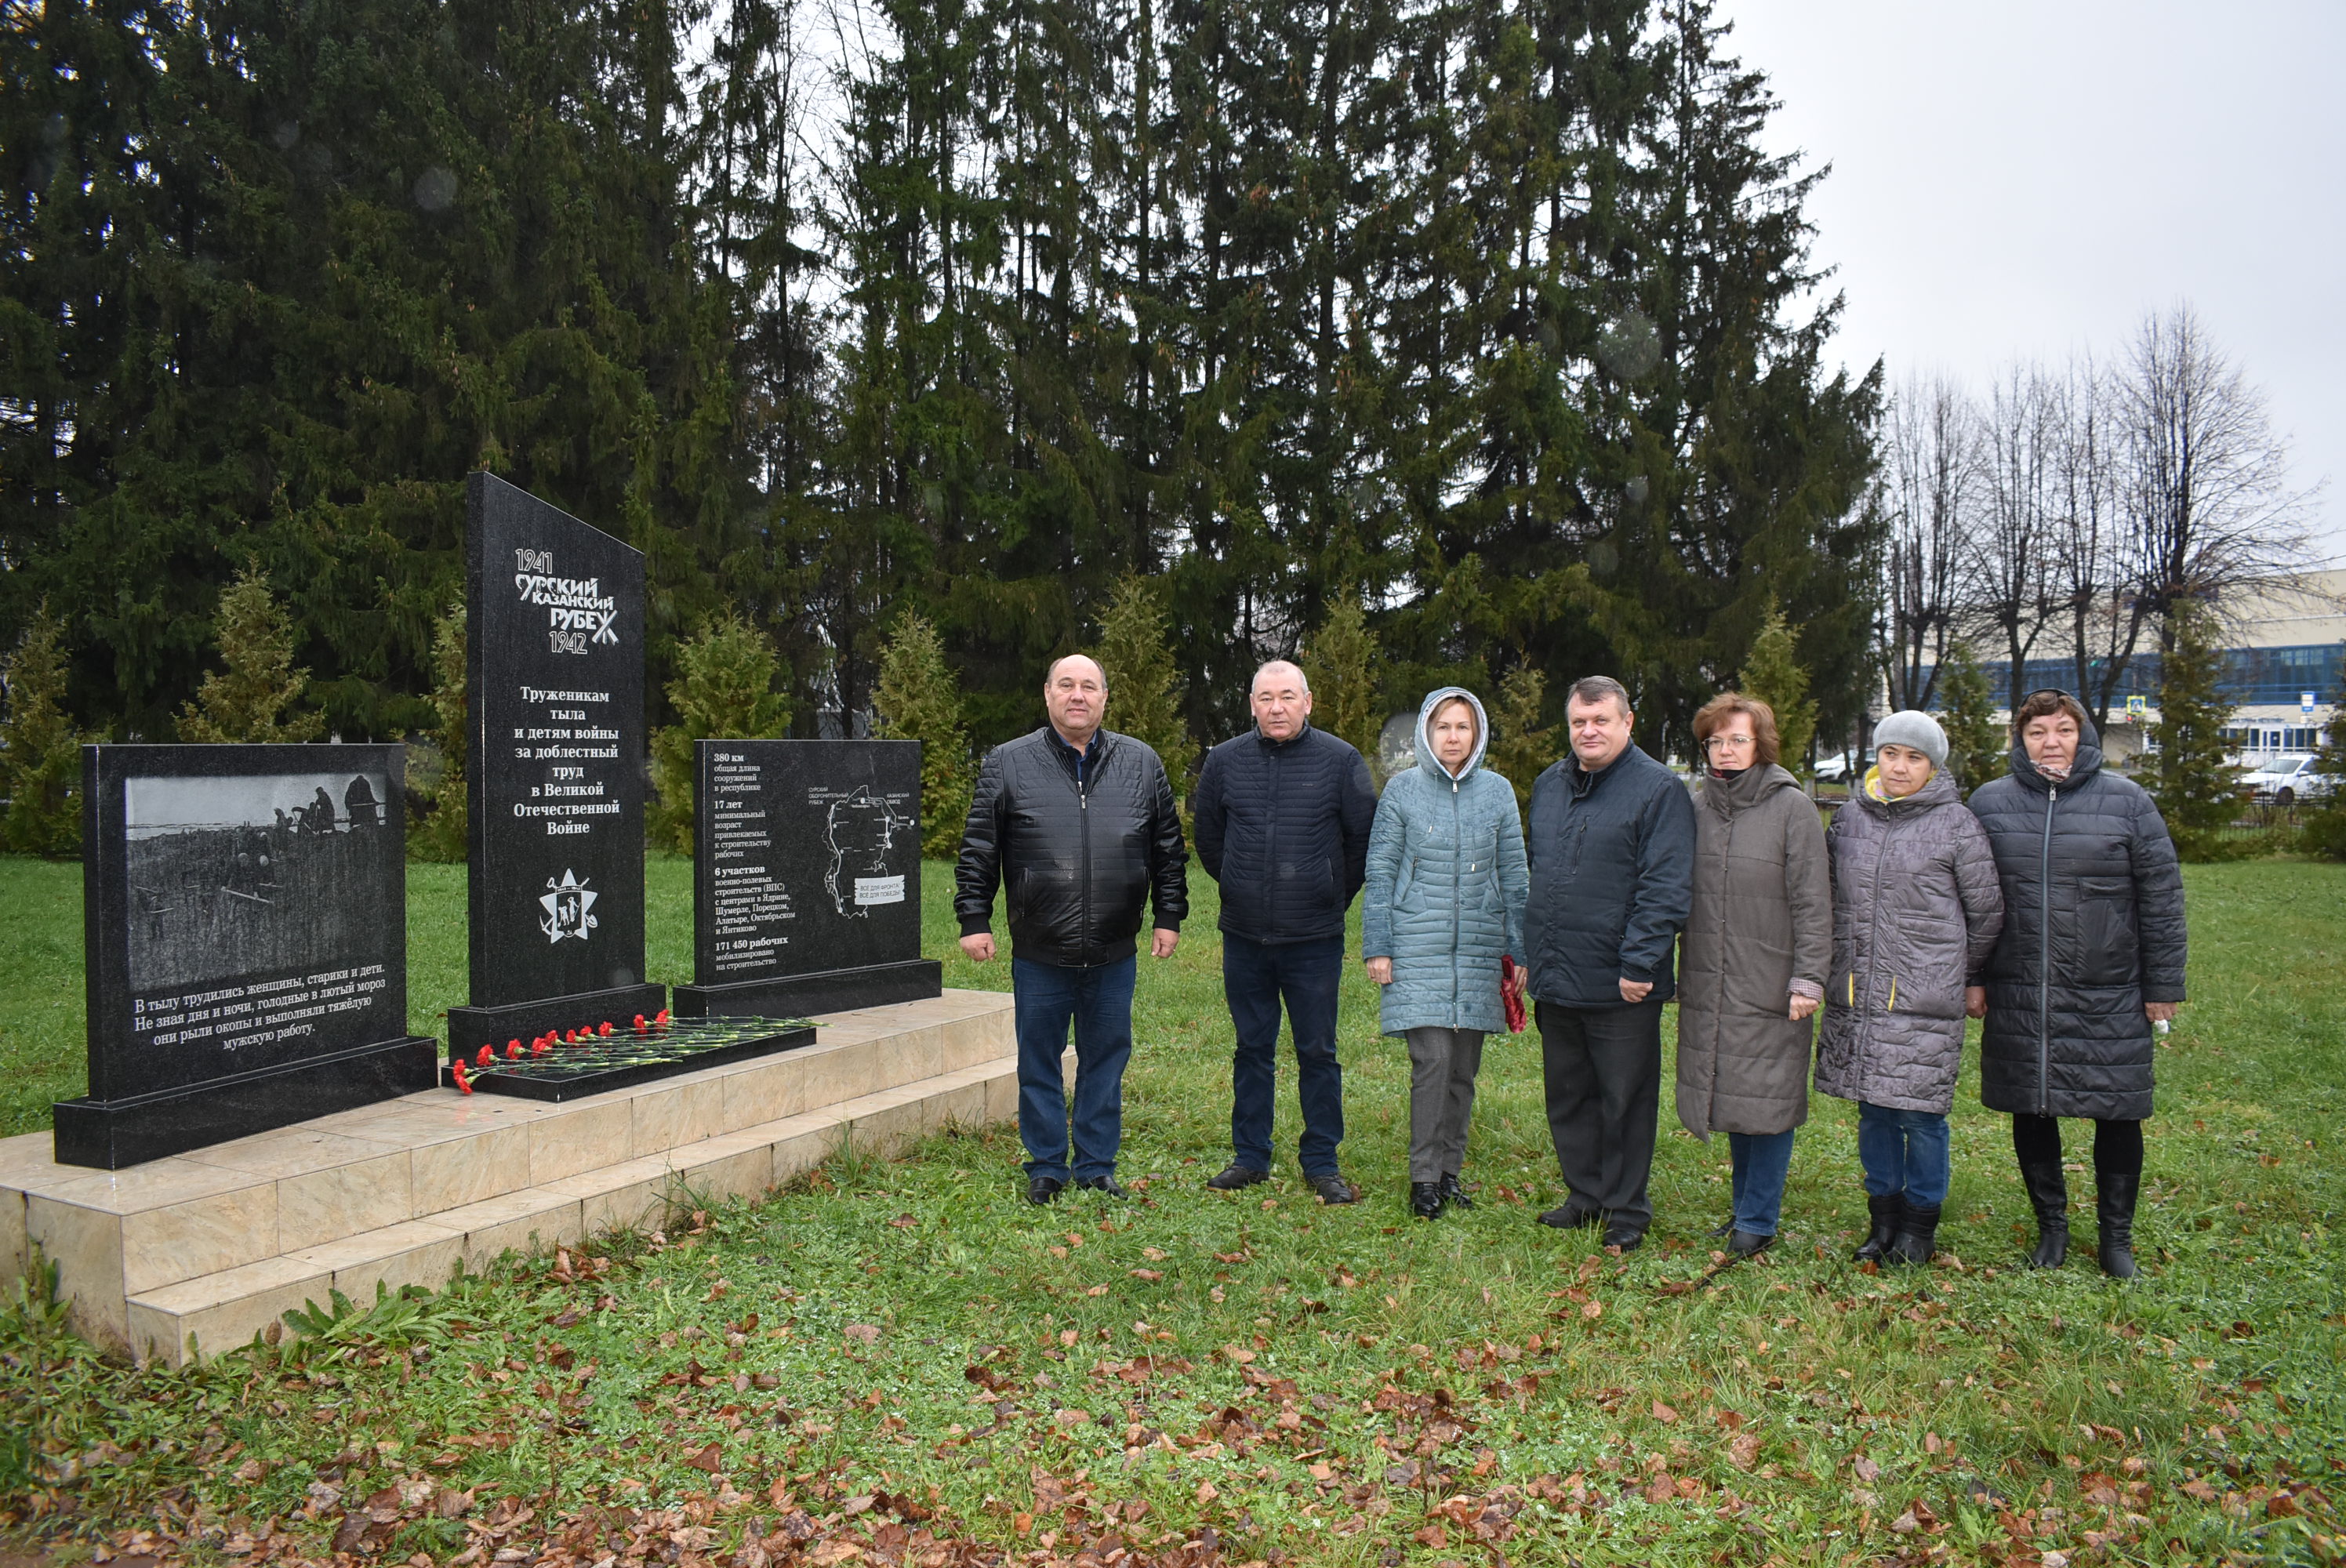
(1511, 998)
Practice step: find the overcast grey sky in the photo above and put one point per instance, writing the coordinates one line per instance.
(2020, 178)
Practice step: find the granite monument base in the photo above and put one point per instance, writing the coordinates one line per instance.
(109, 1135)
(796, 995)
(197, 1253)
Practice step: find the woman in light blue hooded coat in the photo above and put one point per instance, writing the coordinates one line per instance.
(1444, 901)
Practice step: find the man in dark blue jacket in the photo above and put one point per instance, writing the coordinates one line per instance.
(1612, 860)
(1282, 816)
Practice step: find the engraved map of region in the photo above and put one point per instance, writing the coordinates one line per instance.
(872, 843)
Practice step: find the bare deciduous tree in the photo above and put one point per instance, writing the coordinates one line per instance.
(2207, 485)
(1930, 488)
(2011, 547)
(2097, 558)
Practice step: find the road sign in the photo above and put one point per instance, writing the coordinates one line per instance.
(2305, 703)
(2138, 707)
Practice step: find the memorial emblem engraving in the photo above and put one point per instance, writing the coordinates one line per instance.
(568, 904)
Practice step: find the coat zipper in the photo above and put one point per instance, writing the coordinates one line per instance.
(2045, 961)
(1084, 815)
(1457, 894)
(1873, 935)
(1271, 845)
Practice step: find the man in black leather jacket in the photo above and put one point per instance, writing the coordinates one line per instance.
(1283, 814)
(1079, 823)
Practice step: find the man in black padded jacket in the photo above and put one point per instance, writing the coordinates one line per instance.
(1077, 822)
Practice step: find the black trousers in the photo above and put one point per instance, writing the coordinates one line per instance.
(2117, 1146)
(1602, 1067)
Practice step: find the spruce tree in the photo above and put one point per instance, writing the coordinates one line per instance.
(42, 745)
(1520, 746)
(445, 832)
(1978, 749)
(1772, 673)
(918, 699)
(255, 700)
(1146, 694)
(2195, 786)
(723, 690)
(1342, 664)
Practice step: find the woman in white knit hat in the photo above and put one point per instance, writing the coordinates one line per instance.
(1916, 909)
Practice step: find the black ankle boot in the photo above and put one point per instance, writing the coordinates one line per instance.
(1886, 1212)
(1425, 1199)
(2049, 1196)
(1918, 1232)
(2115, 1205)
(1453, 1192)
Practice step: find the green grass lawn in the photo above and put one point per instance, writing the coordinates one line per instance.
(899, 1362)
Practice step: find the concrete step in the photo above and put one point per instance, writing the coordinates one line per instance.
(208, 1247)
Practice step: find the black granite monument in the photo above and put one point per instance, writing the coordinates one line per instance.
(807, 886)
(245, 926)
(555, 615)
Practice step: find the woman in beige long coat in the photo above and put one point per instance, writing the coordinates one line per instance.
(1756, 944)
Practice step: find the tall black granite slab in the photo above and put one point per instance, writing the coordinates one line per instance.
(555, 619)
(245, 932)
(807, 885)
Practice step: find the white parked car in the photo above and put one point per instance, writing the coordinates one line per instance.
(2288, 778)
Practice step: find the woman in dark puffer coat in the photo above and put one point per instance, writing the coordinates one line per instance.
(1916, 909)
(2091, 957)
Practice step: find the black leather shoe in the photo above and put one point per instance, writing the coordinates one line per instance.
(2115, 1205)
(1454, 1193)
(1042, 1190)
(1744, 1243)
(1886, 1213)
(1334, 1188)
(2048, 1194)
(1624, 1237)
(1570, 1216)
(1235, 1176)
(1425, 1199)
(1106, 1185)
(1722, 1230)
(1918, 1231)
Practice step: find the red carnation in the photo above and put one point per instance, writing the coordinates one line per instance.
(463, 1082)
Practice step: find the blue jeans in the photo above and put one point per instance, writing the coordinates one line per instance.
(1903, 1151)
(1255, 976)
(1098, 1003)
(1762, 1161)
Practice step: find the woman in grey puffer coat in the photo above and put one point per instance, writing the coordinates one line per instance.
(1443, 903)
(1916, 909)
(1752, 964)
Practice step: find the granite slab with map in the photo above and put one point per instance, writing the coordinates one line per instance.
(807, 885)
(245, 929)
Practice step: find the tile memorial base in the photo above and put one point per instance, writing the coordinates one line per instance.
(109, 1135)
(826, 991)
(196, 1252)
